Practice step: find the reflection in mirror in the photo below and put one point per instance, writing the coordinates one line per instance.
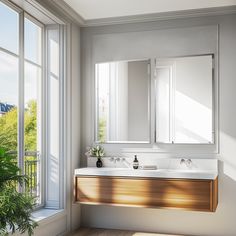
(122, 101)
(184, 100)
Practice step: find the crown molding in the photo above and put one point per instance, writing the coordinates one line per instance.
(69, 11)
(45, 10)
(214, 11)
(162, 16)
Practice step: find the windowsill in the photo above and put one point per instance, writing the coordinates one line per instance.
(46, 215)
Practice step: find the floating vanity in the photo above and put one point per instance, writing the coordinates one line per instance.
(188, 189)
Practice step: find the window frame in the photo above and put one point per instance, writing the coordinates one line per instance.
(22, 14)
(60, 204)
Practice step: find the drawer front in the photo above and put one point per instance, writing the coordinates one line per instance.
(144, 192)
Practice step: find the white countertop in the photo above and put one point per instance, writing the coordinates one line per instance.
(159, 173)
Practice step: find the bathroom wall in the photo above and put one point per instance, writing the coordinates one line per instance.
(73, 210)
(141, 41)
(213, 34)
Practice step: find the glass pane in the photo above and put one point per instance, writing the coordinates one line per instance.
(54, 52)
(163, 81)
(193, 100)
(53, 191)
(32, 42)
(8, 101)
(32, 126)
(184, 100)
(122, 116)
(9, 26)
(102, 71)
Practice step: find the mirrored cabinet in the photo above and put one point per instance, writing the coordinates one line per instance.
(171, 103)
(184, 100)
(122, 102)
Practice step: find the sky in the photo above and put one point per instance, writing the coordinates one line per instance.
(9, 40)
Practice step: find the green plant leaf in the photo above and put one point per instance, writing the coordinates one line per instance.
(15, 207)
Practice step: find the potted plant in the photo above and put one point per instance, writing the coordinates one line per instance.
(97, 151)
(15, 207)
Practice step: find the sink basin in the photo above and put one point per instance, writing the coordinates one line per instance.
(159, 173)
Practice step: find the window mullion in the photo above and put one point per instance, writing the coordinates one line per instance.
(61, 115)
(21, 152)
(43, 107)
(8, 52)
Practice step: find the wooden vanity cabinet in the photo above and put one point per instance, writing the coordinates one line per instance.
(187, 194)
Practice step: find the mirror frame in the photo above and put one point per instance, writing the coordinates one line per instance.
(96, 104)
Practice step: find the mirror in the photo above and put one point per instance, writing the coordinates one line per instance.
(122, 101)
(184, 100)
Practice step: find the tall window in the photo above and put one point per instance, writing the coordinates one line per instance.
(20, 92)
(32, 104)
(30, 101)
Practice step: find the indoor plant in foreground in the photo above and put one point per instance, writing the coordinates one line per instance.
(15, 207)
(97, 151)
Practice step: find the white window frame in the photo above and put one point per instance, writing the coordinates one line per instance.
(44, 94)
(60, 203)
(40, 170)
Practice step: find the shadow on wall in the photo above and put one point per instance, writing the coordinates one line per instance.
(229, 169)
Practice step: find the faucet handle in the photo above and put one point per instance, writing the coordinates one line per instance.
(189, 161)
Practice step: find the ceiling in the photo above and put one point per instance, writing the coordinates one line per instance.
(99, 9)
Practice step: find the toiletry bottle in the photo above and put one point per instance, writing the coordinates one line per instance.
(135, 162)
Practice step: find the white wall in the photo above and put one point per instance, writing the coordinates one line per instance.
(75, 127)
(168, 38)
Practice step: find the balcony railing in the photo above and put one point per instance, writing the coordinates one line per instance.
(32, 170)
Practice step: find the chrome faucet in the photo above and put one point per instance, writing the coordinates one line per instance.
(187, 162)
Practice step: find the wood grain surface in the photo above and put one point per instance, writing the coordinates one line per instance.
(201, 195)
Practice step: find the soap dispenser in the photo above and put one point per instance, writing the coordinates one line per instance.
(135, 162)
